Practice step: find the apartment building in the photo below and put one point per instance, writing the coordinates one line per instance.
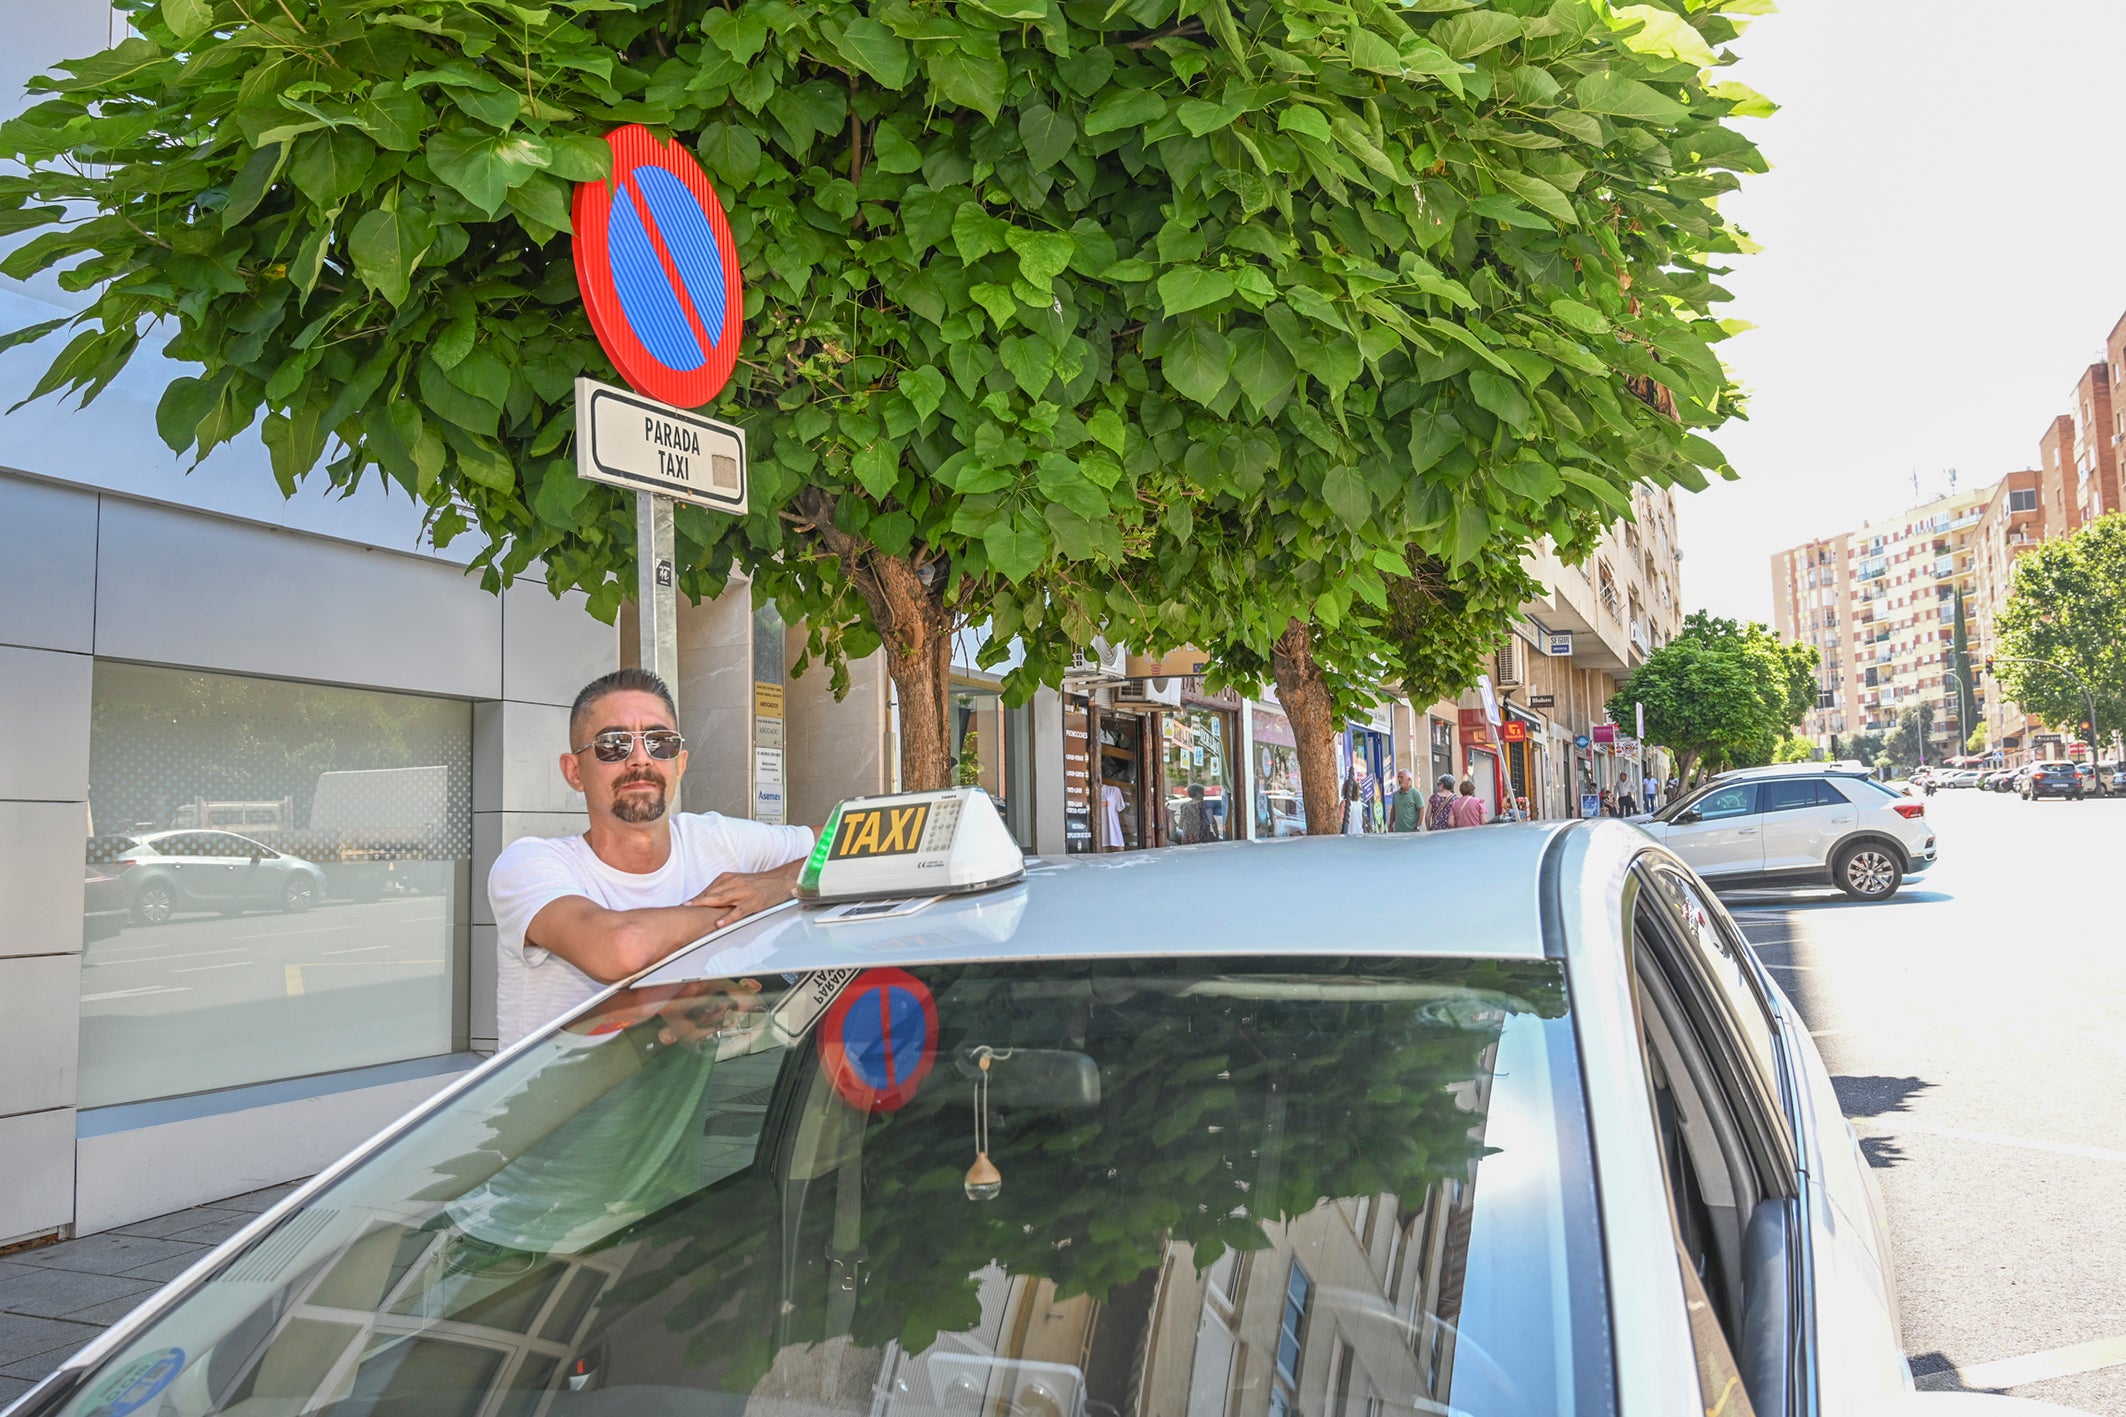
(1879, 604)
(2011, 523)
(2059, 484)
(2096, 444)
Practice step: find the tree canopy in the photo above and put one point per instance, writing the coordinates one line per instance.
(2064, 608)
(1191, 315)
(1721, 693)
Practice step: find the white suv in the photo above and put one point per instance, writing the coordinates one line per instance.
(1798, 825)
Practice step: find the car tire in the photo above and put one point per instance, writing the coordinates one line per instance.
(1868, 870)
(299, 894)
(154, 903)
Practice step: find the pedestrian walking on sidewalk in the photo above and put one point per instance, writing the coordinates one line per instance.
(1468, 808)
(1406, 808)
(1439, 807)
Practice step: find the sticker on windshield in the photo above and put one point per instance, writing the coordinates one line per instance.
(879, 1039)
(801, 1007)
(137, 1384)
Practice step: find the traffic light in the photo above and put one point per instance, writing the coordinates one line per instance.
(1989, 664)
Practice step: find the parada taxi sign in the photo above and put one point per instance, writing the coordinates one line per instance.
(911, 844)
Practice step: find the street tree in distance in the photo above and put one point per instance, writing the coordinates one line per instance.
(1720, 694)
(2066, 607)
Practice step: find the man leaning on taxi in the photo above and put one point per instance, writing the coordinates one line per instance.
(576, 913)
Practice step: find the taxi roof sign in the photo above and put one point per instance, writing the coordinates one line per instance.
(911, 844)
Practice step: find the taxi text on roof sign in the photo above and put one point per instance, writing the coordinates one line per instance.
(910, 844)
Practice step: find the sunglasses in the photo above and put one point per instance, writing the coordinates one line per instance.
(616, 745)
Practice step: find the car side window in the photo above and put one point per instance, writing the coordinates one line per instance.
(1737, 801)
(1719, 952)
(1789, 796)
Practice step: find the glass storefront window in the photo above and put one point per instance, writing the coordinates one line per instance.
(276, 880)
(1280, 807)
(1199, 776)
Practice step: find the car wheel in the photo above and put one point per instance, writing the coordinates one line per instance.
(1869, 871)
(154, 904)
(298, 895)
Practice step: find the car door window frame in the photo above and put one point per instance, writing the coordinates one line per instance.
(1749, 807)
(1701, 995)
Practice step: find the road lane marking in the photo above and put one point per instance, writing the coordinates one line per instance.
(2059, 1148)
(2030, 1367)
(136, 993)
(203, 968)
(159, 959)
(359, 949)
(293, 974)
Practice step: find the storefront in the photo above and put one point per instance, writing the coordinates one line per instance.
(1365, 761)
(1280, 806)
(1145, 766)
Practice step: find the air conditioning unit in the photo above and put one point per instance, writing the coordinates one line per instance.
(1148, 691)
(1509, 667)
(1105, 661)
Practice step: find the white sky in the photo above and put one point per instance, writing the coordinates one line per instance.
(1944, 228)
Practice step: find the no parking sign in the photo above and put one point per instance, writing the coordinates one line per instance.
(879, 1040)
(659, 270)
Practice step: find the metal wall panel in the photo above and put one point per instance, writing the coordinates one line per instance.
(40, 1017)
(552, 648)
(36, 1174)
(47, 565)
(44, 701)
(516, 748)
(178, 588)
(491, 831)
(40, 877)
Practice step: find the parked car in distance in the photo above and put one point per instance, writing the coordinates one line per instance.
(158, 874)
(1798, 824)
(2053, 780)
(1961, 777)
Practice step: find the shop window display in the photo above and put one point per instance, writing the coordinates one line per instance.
(1199, 778)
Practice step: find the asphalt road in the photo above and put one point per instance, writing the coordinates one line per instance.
(1975, 1025)
(206, 1002)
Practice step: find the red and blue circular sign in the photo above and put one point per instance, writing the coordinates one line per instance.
(879, 1039)
(659, 271)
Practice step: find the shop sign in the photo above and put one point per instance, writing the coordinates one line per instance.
(1077, 775)
(1513, 731)
(1590, 804)
(1542, 701)
(1558, 644)
(1605, 733)
(1491, 700)
(1582, 741)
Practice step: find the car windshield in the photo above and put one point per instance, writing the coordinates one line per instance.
(1238, 1186)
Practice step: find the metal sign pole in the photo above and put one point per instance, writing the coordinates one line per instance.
(657, 596)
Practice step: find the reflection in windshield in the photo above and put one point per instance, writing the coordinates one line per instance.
(1229, 1189)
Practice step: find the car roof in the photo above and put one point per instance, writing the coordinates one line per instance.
(1475, 892)
(1793, 770)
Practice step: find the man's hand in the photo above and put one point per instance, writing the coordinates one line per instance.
(701, 1007)
(737, 894)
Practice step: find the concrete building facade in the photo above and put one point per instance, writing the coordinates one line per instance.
(2012, 522)
(1879, 604)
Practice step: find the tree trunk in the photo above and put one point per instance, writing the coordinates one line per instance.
(916, 630)
(1304, 696)
(1686, 765)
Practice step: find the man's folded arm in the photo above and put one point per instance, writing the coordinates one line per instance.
(612, 945)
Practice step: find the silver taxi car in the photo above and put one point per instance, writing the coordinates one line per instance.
(1499, 1121)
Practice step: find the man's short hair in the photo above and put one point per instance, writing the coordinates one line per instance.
(620, 681)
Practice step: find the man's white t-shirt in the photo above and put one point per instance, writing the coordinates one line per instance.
(533, 987)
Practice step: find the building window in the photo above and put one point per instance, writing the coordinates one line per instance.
(1291, 1335)
(277, 880)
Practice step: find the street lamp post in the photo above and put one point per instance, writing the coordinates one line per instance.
(2102, 788)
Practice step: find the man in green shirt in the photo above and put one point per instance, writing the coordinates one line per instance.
(1406, 806)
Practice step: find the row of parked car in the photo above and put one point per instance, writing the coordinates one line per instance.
(2033, 780)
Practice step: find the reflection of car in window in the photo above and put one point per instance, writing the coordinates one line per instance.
(154, 876)
(1254, 1145)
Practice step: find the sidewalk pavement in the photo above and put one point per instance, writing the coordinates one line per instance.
(55, 1298)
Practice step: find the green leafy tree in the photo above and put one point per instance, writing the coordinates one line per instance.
(1961, 679)
(1181, 314)
(1976, 743)
(2065, 608)
(1793, 750)
(1905, 745)
(1721, 693)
